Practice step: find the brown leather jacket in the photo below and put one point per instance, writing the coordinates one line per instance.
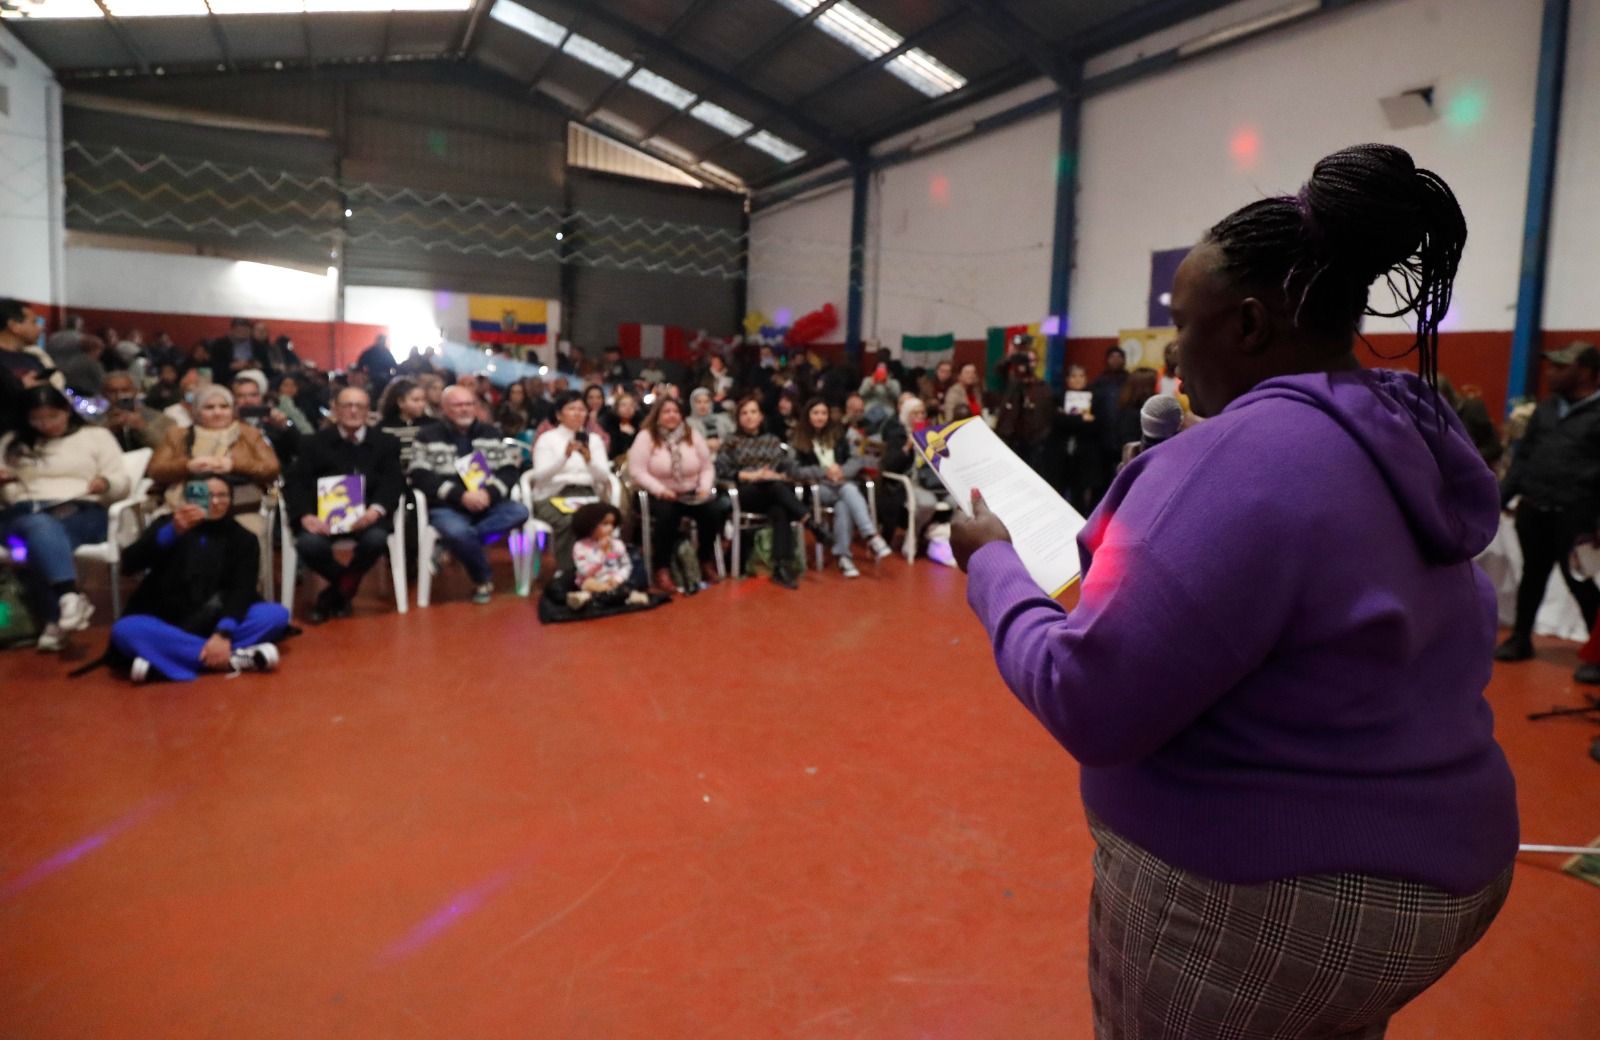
(253, 458)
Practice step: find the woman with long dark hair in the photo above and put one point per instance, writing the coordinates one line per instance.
(1274, 675)
(57, 478)
(764, 470)
(822, 454)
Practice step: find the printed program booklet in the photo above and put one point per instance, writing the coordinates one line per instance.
(967, 454)
(341, 501)
(1079, 402)
(474, 470)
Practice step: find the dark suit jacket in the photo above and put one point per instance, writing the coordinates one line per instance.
(329, 454)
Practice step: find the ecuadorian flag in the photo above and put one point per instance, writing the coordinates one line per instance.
(507, 319)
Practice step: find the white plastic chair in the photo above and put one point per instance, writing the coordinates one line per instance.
(648, 546)
(291, 559)
(820, 512)
(121, 513)
(909, 547)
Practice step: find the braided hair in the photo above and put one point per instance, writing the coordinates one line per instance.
(1367, 213)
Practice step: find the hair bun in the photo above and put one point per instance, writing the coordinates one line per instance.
(1367, 209)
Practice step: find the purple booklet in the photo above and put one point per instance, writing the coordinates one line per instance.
(341, 501)
(474, 470)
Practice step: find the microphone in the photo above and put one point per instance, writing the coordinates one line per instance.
(1159, 419)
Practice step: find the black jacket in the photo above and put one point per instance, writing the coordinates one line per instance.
(329, 454)
(439, 445)
(221, 350)
(1557, 463)
(202, 582)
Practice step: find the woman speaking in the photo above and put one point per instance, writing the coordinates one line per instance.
(1274, 676)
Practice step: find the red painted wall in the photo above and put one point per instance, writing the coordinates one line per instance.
(330, 344)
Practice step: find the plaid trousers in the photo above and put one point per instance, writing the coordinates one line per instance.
(1173, 956)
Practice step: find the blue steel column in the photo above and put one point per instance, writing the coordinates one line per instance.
(1066, 225)
(860, 183)
(1523, 377)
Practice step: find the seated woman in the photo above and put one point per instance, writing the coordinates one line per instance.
(600, 562)
(570, 468)
(621, 423)
(57, 476)
(218, 444)
(670, 461)
(900, 455)
(594, 395)
(197, 610)
(764, 472)
(402, 411)
(822, 452)
(714, 424)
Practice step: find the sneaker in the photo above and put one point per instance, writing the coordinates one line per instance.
(1588, 673)
(482, 594)
(578, 600)
(880, 548)
(1516, 648)
(50, 640)
(76, 610)
(847, 567)
(326, 607)
(786, 579)
(263, 657)
(638, 599)
(139, 670)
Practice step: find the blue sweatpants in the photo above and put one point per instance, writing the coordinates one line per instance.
(175, 653)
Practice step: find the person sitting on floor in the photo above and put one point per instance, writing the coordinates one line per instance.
(348, 448)
(672, 462)
(446, 458)
(197, 609)
(764, 471)
(823, 453)
(57, 478)
(601, 565)
(570, 468)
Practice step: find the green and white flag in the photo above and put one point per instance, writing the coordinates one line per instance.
(927, 351)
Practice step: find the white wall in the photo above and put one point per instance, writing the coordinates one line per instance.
(30, 178)
(800, 255)
(1570, 299)
(175, 283)
(960, 239)
(1158, 170)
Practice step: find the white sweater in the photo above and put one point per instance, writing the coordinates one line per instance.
(554, 469)
(64, 468)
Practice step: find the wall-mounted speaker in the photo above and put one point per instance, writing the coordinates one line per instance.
(1408, 109)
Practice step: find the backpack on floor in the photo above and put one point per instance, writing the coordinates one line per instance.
(685, 567)
(760, 561)
(17, 626)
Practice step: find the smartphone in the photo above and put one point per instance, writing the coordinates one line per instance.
(198, 493)
(254, 413)
(125, 404)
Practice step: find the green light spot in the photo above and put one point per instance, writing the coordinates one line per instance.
(438, 144)
(1466, 109)
(1066, 165)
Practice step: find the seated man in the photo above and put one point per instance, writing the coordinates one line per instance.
(197, 610)
(347, 448)
(250, 399)
(446, 458)
(131, 421)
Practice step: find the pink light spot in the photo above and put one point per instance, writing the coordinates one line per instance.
(1245, 147)
(939, 189)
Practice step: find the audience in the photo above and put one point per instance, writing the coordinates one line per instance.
(714, 424)
(1027, 409)
(671, 461)
(964, 398)
(218, 443)
(570, 467)
(900, 455)
(1138, 388)
(402, 413)
(465, 469)
(249, 401)
(880, 393)
(1078, 471)
(286, 395)
(57, 478)
(197, 609)
(78, 359)
(234, 352)
(621, 423)
(347, 448)
(823, 457)
(763, 470)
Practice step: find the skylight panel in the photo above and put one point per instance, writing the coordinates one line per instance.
(156, 8)
(592, 54)
(925, 73)
(536, 25)
(721, 118)
(775, 146)
(661, 88)
(49, 9)
(257, 6)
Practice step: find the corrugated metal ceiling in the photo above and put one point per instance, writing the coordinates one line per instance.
(763, 61)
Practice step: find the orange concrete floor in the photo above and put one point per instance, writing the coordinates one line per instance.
(753, 813)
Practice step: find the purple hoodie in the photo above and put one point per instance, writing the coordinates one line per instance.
(1278, 661)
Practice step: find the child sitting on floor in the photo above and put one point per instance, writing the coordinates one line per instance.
(600, 560)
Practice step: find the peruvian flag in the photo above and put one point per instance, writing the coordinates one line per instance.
(667, 342)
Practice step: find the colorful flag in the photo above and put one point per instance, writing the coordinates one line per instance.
(341, 501)
(668, 342)
(927, 351)
(507, 319)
